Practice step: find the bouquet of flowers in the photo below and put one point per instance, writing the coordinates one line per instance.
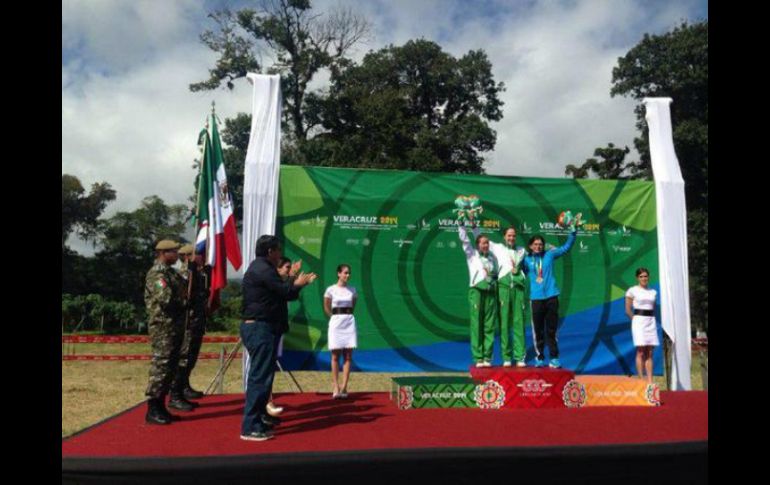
(468, 207)
(567, 220)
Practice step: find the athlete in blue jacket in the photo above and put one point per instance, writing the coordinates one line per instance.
(544, 295)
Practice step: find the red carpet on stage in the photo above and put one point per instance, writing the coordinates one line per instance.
(371, 421)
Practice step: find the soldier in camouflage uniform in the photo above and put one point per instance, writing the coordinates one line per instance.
(164, 296)
(198, 294)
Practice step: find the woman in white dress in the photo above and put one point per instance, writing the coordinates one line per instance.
(640, 308)
(339, 302)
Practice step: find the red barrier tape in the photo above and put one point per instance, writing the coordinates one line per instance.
(129, 339)
(202, 355)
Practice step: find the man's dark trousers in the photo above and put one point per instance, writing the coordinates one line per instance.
(260, 342)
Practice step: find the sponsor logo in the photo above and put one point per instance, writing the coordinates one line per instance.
(316, 221)
(309, 240)
(452, 244)
(552, 229)
(400, 242)
(574, 394)
(366, 241)
(440, 245)
(621, 249)
(365, 222)
(534, 386)
(442, 395)
(620, 231)
(352, 242)
(405, 397)
(583, 247)
(489, 395)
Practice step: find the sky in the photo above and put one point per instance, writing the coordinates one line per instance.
(128, 117)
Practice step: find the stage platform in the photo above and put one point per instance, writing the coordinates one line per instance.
(321, 436)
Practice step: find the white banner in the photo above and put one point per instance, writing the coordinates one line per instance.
(263, 160)
(672, 239)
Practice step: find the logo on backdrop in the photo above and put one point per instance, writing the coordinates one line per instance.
(365, 222)
(620, 231)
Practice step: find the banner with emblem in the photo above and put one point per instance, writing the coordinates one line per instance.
(398, 232)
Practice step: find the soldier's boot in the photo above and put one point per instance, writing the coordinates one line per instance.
(189, 392)
(155, 412)
(177, 400)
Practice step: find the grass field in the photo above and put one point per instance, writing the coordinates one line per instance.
(93, 391)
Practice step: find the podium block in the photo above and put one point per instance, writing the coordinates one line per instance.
(433, 392)
(619, 391)
(525, 387)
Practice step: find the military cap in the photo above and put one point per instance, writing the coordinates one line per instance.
(186, 249)
(166, 244)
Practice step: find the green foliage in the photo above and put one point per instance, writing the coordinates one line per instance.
(79, 211)
(94, 313)
(611, 165)
(413, 107)
(228, 316)
(301, 41)
(672, 65)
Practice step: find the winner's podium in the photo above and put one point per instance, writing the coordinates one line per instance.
(521, 388)
(524, 387)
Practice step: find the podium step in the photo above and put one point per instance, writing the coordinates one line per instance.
(619, 391)
(521, 388)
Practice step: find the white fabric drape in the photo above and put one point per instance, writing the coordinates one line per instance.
(672, 239)
(261, 169)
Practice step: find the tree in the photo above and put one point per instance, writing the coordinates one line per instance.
(672, 65)
(611, 165)
(302, 42)
(128, 247)
(80, 212)
(413, 107)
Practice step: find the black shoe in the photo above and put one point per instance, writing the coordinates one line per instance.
(155, 413)
(190, 393)
(180, 403)
(270, 421)
(179, 396)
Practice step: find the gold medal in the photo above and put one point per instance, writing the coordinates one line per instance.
(539, 279)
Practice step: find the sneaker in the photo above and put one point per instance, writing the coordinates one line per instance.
(521, 363)
(507, 363)
(539, 363)
(257, 436)
(554, 364)
(479, 364)
(343, 395)
(274, 410)
(487, 364)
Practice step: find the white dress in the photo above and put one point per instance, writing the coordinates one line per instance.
(643, 328)
(342, 326)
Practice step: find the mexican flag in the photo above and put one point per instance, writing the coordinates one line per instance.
(216, 222)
